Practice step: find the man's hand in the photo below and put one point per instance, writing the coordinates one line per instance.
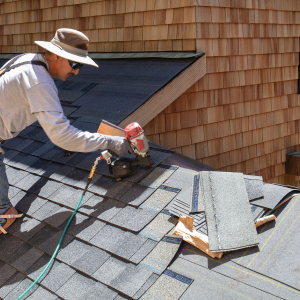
(118, 145)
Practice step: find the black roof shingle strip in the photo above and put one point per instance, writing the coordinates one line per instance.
(9, 154)
(39, 166)
(18, 143)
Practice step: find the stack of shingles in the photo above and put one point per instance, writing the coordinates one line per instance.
(116, 247)
(221, 204)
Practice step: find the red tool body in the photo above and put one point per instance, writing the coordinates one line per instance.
(125, 166)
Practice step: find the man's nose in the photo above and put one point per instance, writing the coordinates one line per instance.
(76, 72)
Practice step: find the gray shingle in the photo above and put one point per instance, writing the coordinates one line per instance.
(20, 288)
(119, 189)
(36, 269)
(83, 227)
(27, 202)
(100, 289)
(45, 187)
(221, 192)
(52, 214)
(58, 171)
(75, 176)
(76, 287)
(131, 279)
(12, 191)
(143, 251)
(91, 260)
(108, 238)
(160, 257)
(132, 218)
(110, 270)
(137, 195)
(58, 275)
(161, 225)
(129, 244)
(15, 175)
(28, 181)
(41, 293)
(158, 176)
(73, 251)
(102, 185)
(166, 287)
(69, 196)
(102, 208)
(11, 284)
(146, 286)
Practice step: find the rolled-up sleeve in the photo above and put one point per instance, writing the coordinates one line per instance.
(61, 133)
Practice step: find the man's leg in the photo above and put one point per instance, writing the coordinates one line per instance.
(4, 201)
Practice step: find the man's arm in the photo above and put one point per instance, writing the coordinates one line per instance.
(61, 133)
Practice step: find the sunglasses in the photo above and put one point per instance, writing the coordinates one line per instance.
(75, 65)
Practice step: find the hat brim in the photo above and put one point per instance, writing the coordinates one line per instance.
(66, 54)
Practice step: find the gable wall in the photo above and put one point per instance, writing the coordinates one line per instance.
(243, 116)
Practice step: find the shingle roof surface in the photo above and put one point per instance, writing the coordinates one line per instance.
(118, 247)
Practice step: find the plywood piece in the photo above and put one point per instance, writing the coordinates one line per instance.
(110, 129)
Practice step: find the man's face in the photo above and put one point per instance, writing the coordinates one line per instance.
(61, 69)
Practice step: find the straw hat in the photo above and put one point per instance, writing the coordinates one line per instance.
(70, 44)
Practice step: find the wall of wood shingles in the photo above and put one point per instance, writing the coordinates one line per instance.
(112, 26)
(242, 116)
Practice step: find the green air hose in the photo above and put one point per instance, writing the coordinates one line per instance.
(65, 230)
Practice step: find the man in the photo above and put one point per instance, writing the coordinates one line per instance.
(28, 93)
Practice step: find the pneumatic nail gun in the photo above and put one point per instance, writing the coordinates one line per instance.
(123, 166)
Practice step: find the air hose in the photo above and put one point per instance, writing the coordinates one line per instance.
(65, 230)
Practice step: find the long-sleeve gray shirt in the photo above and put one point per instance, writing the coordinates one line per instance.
(27, 94)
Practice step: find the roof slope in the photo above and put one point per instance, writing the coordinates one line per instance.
(121, 86)
(118, 243)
